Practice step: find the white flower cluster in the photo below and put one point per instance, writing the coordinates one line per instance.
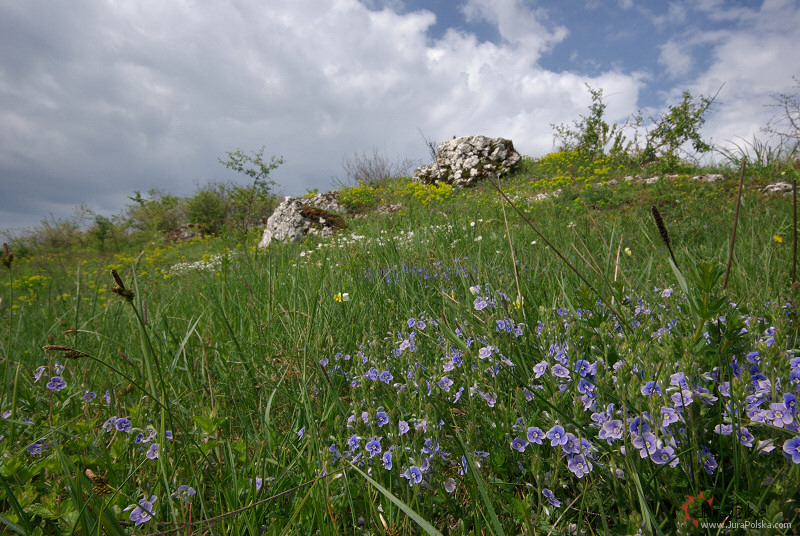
(211, 265)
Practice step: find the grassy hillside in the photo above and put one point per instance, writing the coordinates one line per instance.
(435, 370)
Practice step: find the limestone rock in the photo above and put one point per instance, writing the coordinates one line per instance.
(777, 188)
(389, 209)
(296, 217)
(468, 160)
(712, 177)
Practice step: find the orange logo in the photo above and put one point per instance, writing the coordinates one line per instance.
(689, 500)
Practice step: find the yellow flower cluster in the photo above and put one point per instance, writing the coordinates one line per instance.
(359, 196)
(567, 167)
(430, 193)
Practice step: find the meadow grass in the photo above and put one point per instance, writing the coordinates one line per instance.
(408, 377)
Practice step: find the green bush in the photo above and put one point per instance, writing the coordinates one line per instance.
(208, 207)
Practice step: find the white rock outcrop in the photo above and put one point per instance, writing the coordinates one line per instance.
(296, 217)
(468, 160)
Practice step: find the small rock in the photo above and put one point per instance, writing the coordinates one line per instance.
(777, 188)
(713, 177)
(389, 209)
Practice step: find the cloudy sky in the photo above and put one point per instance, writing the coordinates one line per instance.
(99, 98)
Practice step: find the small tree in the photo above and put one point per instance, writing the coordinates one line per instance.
(665, 140)
(101, 230)
(786, 125)
(591, 135)
(246, 200)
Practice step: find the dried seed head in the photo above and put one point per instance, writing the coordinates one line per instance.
(57, 348)
(8, 256)
(99, 484)
(662, 229)
(126, 293)
(117, 279)
(69, 353)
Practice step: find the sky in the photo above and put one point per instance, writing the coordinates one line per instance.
(102, 98)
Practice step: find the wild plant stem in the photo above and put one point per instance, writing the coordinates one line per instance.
(511, 249)
(735, 222)
(560, 255)
(794, 227)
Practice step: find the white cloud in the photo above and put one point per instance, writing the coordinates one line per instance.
(517, 23)
(676, 57)
(753, 61)
(128, 96)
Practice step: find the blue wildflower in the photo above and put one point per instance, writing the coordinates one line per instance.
(550, 496)
(519, 444)
(536, 435)
(184, 492)
(381, 418)
(142, 513)
(557, 435)
(650, 388)
(56, 383)
(414, 475)
(445, 383)
(579, 465)
(123, 425)
(791, 449)
(374, 447)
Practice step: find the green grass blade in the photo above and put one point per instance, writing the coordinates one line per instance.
(11, 525)
(484, 492)
(427, 527)
(26, 524)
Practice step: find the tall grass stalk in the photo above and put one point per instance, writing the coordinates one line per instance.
(735, 223)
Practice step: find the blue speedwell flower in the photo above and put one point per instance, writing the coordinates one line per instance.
(557, 435)
(143, 512)
(123, 425)
(536, 435)
(374, 447)
(414, 475)
(386, 459)
(519, 444)
(56, 383)
(550, 496)
(382, 418)
(152, 452)
(184, 492)
(791, 449)
(579, 465)
(445, 383)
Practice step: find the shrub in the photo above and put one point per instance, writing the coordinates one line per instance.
(208, 207)
(373, 168)
(158, 211)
